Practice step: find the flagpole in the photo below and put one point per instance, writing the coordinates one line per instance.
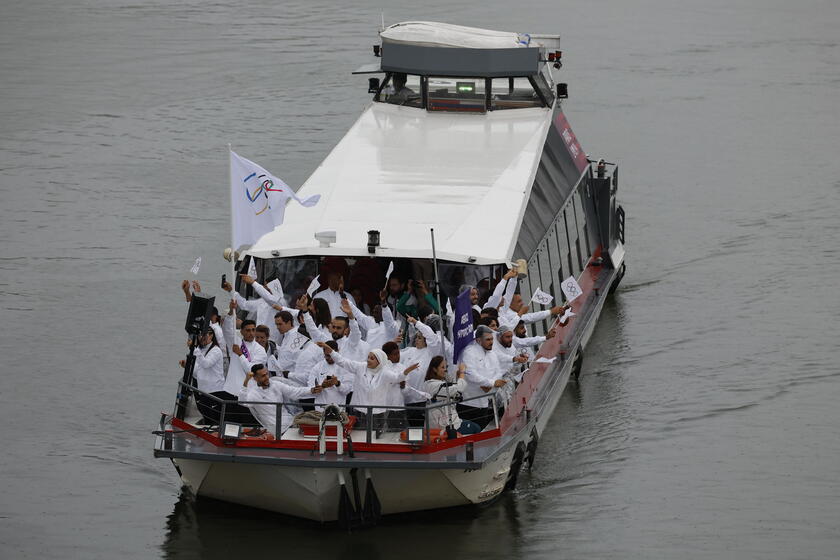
(450, 429)
(232, 248)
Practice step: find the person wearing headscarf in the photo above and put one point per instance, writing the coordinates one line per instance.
(371, 379)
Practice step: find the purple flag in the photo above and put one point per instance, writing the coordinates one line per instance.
(463, 327)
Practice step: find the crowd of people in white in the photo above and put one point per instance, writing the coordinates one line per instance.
(386, 364)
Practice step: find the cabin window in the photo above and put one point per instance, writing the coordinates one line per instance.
(513, 93)
(295, 275)
(394, 92)
(466, 95)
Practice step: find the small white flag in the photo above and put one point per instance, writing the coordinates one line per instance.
(542, 297)
(566, 316)
(196, 266)
(449, 310)
(544, 360)
(252, 268)
(390, 270)
(313, 286)
(276, 288)
(571, 288)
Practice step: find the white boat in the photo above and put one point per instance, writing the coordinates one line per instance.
(480, 152)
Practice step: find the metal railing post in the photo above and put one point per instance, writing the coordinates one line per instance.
(369, 414)
(495, 411)
(426, 425)
(278, 417)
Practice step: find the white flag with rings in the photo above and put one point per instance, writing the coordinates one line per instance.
(571, 288)
(542, 297)
(257, 200)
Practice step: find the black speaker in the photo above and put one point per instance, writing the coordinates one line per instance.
(198, 317)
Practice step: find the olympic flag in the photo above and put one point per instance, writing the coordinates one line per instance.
(257, 200)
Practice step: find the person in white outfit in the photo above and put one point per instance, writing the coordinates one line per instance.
(484, 371)
(208, 374)
(335, 382)
(376, 332)
(260, 310)
(264, 389)
(334, 293)
(526, 343)
(371, 381)
(445, 393)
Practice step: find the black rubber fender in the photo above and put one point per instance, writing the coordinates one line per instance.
(618, 278)
(515, 466)
(577, 365)
(531, 449)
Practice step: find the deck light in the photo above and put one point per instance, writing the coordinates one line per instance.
(563, 91)
(552, 56)
(377, 50)
(373, 85)
(325, 237)
(373, 241)
(415, 435)
(231, 430)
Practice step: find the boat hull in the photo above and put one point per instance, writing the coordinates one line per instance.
(313, 493)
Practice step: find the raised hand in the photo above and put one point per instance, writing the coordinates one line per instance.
(421, 288)
(196, 286)
(185, 285)
(399, 337)
(558, 309)
(302, 302)
(383, 295)
(227, 286)
(411, 368)
(326, 348)
(551, 334)
(522, 310)
(247, 279)
(345, 306)
(236, 349)
(411, 320)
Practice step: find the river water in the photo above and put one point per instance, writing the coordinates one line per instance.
(705, 424)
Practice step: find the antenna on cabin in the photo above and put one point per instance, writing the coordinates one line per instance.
(382, 26)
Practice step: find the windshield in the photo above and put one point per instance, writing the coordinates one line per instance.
(456, 94)
(402, 89)
(465, 95)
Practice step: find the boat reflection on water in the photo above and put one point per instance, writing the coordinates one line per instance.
(207, 528)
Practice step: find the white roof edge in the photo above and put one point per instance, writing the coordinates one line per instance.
(382, 252)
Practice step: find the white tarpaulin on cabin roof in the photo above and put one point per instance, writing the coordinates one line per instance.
(401, 171)
(433, 34)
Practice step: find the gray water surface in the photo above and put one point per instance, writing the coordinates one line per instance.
(705, 424)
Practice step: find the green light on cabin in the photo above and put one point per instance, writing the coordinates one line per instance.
(465, 87)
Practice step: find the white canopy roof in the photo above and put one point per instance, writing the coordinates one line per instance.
(402, 171)
(433, 34)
